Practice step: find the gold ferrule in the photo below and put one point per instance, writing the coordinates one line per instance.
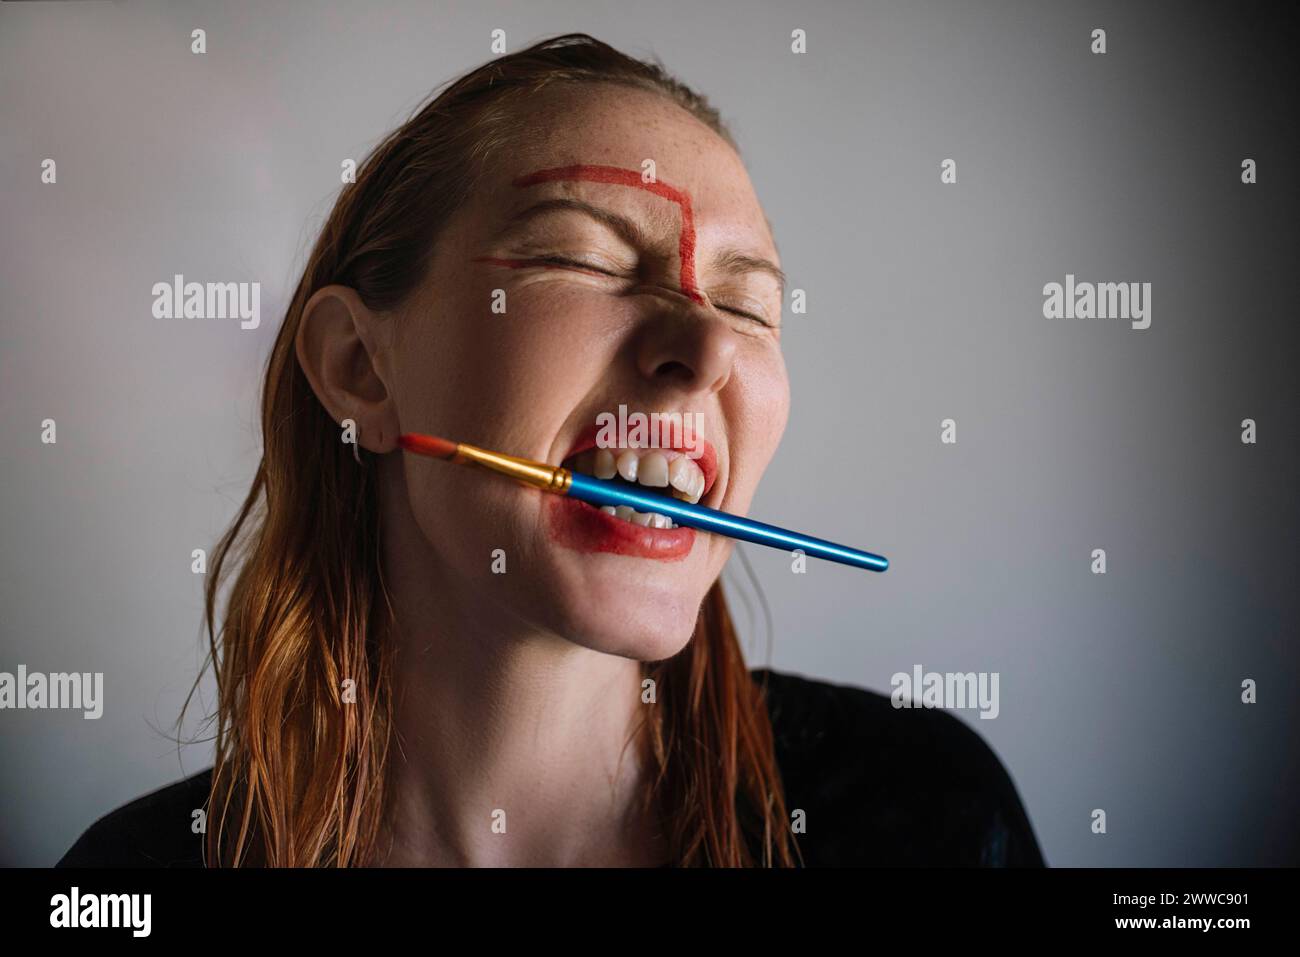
(548, 478)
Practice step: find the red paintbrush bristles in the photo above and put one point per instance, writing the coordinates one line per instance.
(427, 445)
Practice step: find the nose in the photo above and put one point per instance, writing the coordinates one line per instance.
(690, 350)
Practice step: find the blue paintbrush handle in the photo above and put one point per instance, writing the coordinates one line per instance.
(599, 492)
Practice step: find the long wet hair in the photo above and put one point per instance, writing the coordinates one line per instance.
(299, 777)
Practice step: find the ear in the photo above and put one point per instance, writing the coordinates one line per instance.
(342, 347)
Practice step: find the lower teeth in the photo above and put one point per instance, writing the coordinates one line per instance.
(644, 519)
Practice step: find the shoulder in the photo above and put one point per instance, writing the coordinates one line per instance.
(155, 830)
(891, 787)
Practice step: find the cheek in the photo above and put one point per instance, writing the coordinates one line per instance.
(506, 381)
(780, 400)
(759, 409)
(766, 398)
(557, 336)
(511, 377)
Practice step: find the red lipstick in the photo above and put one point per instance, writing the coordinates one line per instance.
(585, 528)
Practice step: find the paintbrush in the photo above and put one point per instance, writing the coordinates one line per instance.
(600, 492)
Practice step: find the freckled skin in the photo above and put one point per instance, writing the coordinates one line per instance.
(573, 343)
(632, 179)
(516, 675)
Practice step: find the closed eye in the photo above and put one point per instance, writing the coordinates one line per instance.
(746, 315)
(587, 267)
(575, 264)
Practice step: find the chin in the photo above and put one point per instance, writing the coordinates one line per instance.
(643, 623)
(638, 645)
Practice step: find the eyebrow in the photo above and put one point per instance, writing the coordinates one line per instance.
(735, 261)
(727, 260)
(625, 228)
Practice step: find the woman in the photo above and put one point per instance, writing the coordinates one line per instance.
(421, 665)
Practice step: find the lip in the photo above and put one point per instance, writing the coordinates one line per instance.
(577, 525)
(582, 527)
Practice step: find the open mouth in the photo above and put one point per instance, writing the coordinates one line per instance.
(668, 469)
(624, 531)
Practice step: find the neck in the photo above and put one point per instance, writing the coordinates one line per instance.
(512, 747)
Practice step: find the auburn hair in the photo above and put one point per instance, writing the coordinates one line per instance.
(299, 777)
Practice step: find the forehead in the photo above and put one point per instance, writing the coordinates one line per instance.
(624, 128)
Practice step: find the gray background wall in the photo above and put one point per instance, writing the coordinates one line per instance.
(925, 302)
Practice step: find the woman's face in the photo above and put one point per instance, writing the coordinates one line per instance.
(569, 285)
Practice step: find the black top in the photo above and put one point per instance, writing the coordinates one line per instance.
(879, 786)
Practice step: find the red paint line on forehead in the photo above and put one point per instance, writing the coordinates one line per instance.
(629, 177)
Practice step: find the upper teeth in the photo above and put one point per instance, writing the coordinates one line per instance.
(649, 467)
